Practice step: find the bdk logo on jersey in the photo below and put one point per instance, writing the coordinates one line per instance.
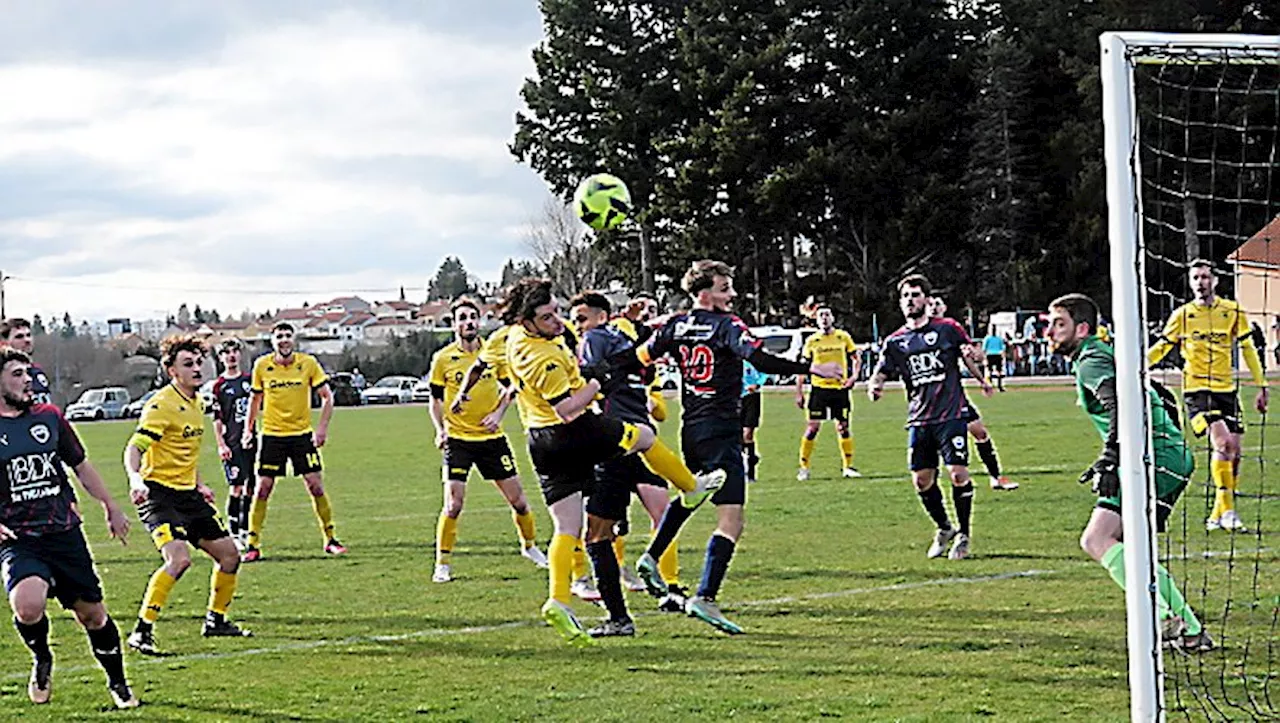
(29, 472)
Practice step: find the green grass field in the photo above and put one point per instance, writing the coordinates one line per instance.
(845, 616)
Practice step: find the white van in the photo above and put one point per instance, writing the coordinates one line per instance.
(783, 342)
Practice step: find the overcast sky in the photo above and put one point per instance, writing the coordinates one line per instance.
(160, 151)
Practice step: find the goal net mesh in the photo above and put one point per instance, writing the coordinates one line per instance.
(1209, 188)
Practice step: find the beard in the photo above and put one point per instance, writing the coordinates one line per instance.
(21, 404)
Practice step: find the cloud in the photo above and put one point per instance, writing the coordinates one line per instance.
(340, 144)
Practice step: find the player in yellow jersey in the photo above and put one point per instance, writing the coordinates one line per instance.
(829, 398)
(567, 439)
(473, 437)
(1207, 329)
(282, 386)
(162, 460)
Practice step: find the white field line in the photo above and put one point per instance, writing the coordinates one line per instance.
(134, 662)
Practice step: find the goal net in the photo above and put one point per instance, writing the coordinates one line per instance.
(1202, 139)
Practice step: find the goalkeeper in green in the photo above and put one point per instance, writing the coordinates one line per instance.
(1073, 324)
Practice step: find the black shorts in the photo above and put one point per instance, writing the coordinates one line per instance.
(565, 455)
(716, 444)
(1205, 408)
(171, 514)
(239, 469)
(751, 410)
(996, 362)
(61, 559)
(492, 457)
(925, 443)
(828, 404)
(299, 450)
(628, 472)
(971, 413)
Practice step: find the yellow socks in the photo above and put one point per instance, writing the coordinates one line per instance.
(578, 565)
(1224, 479)
(669, 564)
(446, 537)
(560, 566)
(527, 528)
(157, 595)
(324, 515)
(222, 587)
(667, 464)
(846, 450)
(806, 451)
(620, 550)
(257, 517)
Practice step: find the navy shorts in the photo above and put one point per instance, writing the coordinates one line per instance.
(948, 439)
(717, 444)
(239, 469)
(61, 559)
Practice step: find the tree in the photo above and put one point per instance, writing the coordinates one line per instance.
(604, 97)
(559, 243)
(37, 326)
(1002, 250)
(451, 280)
(184, 316)
(68, 330)
(198, 315)
(514, 270)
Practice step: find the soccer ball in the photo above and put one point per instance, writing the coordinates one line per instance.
(602, 201)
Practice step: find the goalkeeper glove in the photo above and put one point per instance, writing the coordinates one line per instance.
(1104, 474)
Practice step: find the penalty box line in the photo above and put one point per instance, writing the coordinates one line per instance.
(479, 629)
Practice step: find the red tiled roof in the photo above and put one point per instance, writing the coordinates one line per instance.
(1262, 248)
(393, 321)
(286, 314)
(397, 305)
(357, 317)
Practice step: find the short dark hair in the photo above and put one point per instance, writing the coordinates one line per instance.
(701, 275)
(175, 343)
(8, 326)
(1202, 263)
(229, 344)
(282, 325)
(644, 295)
(593, 299)
(1080, 308)
(9, 354)
(917, 280)
(536, 292)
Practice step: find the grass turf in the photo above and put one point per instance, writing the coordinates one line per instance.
(845, 616)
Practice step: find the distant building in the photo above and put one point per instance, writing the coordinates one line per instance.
(1256, 265)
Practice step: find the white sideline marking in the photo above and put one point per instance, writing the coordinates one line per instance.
(134, 661)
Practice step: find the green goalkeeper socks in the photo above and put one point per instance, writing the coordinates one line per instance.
(1169, 601)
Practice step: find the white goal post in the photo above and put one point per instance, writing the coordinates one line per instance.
(1121, 51)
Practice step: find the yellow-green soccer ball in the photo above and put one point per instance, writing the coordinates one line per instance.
(602, 201)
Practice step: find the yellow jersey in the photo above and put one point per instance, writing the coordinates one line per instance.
(448, 368)
(1207, 335)
(835, 347)
(286, 392)
(169, 435)
(494, 352)
(546, 373)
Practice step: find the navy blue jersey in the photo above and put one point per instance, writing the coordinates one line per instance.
(709, 347)
(36, 447)
(231, 406)
(40, 393)
(629, 403)
(928, 361)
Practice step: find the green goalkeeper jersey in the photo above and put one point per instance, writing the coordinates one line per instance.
(1095, 363)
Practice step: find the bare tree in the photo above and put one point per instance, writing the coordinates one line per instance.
(561, 246)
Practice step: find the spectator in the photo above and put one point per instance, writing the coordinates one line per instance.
(357, 379)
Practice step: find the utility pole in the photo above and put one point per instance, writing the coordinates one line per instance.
(2, 314)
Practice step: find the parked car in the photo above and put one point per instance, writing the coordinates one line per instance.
(344, 389)
(133, 409)
(390, 390)
(99, 403)
(783, 342)
(422, 391)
